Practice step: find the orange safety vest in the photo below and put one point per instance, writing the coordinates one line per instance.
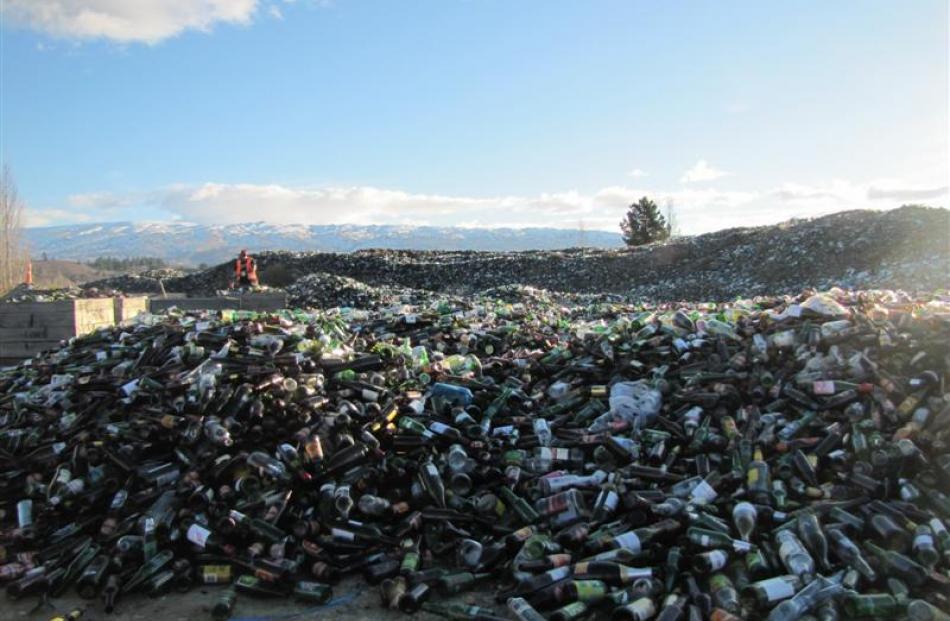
(246, 269)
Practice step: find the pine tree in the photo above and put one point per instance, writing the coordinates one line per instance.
(643, 223)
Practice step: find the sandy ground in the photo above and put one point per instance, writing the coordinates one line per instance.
(353, 600)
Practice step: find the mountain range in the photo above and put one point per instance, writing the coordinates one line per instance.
(193, 244)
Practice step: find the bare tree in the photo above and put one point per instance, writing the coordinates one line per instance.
(13, 255)
(672, 224)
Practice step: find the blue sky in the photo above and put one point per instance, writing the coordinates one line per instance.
(473, 113)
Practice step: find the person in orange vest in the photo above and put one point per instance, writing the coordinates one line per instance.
(245, 270)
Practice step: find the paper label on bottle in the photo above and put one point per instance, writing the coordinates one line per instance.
(556, 484)
(439, 428)
(573, 610)
(343, 535)
(611, 501)
(703, 493)
(523, 533)
(643, 608)
(629, 541)
(717, 559)
(589, 589)
(215, 574)
(198, 534)
(776, 589)
(129, 388)
(823, 387)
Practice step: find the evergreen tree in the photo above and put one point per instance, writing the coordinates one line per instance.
(643, 223)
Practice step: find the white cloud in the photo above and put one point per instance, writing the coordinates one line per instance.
(698, 210)
(702, 171)
(102, 200)
(274, 11)
(637, 173)
(907, 193)
(47, 217)
(126, 21)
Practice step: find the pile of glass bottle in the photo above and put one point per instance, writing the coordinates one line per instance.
(767, 459)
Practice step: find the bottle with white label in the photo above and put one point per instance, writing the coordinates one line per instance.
(705, 491)
(793, 555)
(706, 538)
(769, 592)
(523, 611)
(635, 540)
(708, 562)
(923, 546)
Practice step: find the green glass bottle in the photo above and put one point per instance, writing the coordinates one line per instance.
(875, 605)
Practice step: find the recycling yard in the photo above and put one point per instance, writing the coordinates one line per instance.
(520, 451)
(474, 311)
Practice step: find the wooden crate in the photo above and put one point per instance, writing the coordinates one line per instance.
(127, 308)
(158, 305)
(31, 327)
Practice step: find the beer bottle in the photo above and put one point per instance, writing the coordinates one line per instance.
(639, 610)
(224, 606)
(923, 546)
(871, 605)
(744, 517)
(613, 574)
(522, 610)
(724, 593)
(921, 610)
(794, 555)
(850, 553)
(770, 591)
(716, 539)
(895, 562)
(810, 532)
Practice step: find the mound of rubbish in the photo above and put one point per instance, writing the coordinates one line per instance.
(149, 281)
(769, 458)
(905, 248)
(25, 293)
(329, 291)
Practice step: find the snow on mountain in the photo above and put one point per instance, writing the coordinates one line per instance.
(188, 243)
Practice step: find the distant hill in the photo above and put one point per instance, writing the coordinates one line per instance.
(54, 274)
(192, 244)
(904, 248)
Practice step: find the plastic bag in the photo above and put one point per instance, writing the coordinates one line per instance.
(635, 402)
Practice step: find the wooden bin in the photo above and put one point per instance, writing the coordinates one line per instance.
(264, 302)
(28, 328)
(126, 308)
(159, 305)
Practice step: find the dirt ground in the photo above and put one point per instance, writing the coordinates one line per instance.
(353, 600)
